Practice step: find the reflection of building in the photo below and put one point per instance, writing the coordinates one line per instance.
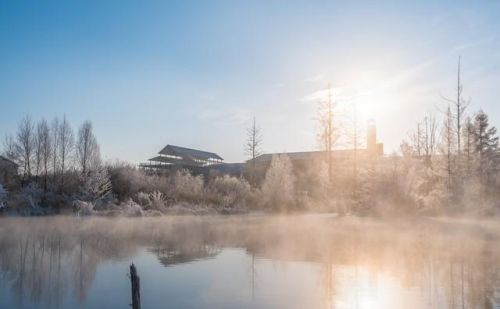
(171, 256)
(8, 172)
(180, 157)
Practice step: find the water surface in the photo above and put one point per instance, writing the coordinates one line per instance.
(250, 262)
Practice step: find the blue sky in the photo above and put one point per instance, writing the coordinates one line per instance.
(194, 73)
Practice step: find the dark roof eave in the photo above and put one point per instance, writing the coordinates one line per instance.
(9, 160)
(193, 153)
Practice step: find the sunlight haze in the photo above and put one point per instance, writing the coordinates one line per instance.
(145, 73)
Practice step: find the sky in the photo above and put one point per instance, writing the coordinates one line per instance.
(195, 73)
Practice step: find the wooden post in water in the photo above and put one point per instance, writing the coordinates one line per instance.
(136, 287)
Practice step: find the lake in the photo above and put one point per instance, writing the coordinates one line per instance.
(255, 261)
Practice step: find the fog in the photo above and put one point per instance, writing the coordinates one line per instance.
(452, 263)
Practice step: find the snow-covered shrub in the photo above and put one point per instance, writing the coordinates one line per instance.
(229, 191)
(131, 209)
(95, 186)
(32, 195)
(157, 200)
(127, 181)
(3, 196)
(187, 187)
(142, 199)
(82, 208)
(277, 191)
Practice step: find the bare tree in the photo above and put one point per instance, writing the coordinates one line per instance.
(66, 142)
(447, 145)
(468, 139)
(353, 133)
(429, 137)
(327, 130)
(416, 139)
(44, 143)
(54, 128)
(87, 149)
(38, 150)
(254, 141)
(459, 105)
(10, 149)
(25, 141)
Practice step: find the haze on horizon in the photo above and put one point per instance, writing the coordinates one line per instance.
(195, 73)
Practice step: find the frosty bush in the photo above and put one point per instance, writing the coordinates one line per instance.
(96, 185)
(157, 200)
(229, 191)
(3, 196)
(278, 187)
(131, 209)
(142, 198)
(187, 187)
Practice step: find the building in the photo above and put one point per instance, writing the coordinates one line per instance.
(211, 164)
(8, 172)
(373, 149)
(175, 157)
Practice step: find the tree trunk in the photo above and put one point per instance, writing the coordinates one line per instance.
(136, 287)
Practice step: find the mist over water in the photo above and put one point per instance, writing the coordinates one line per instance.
(308, 261)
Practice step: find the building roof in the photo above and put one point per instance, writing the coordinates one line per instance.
(308, 155)
(168, 160)
(303, 155)
(192, 153)
(8, 160)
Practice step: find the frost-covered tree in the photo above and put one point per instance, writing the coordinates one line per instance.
(447, 147)
(95, 185)
(468, 145)
(278, 186)
(429, 137)
(353, 134)
(485, 141)
(38, 151)
(87, 148)
(54, 135)
(65, 145)
(44, 147)
(327, 128)
(25, 144)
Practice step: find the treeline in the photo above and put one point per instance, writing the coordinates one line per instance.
(55, 163)
(62, 171)
(46, 150)
(455, 161)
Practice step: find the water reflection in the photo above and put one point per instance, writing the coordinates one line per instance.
(287, 262)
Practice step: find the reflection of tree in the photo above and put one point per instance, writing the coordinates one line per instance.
(329, 284)
(86, 265)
